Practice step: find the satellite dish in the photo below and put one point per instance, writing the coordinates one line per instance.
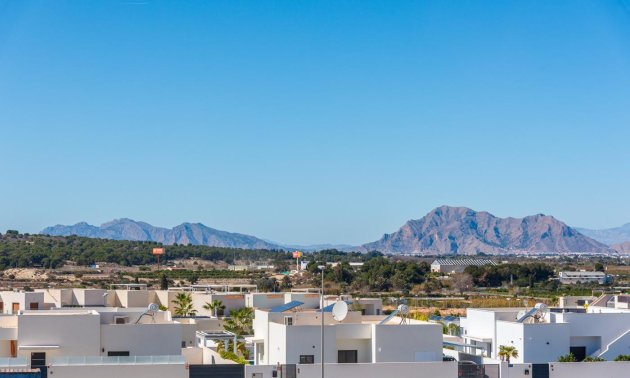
(403, 309)
(340, 311)
(153, 307)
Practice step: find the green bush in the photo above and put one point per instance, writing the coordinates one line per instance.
(567, 358)
(593, 359)
(228, 355)
(623, 357)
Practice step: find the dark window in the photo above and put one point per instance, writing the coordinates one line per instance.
(114, 353)
(307, 359)
(347, 357)
(183, 344)
(38, 359)
(579, 352)
(33, 306)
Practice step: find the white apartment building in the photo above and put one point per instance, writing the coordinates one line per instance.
(556, 333)
(288, 337)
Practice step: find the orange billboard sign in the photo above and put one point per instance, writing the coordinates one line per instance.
(158, 251)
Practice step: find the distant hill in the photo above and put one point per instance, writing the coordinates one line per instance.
(185, 233)
(459, 230)
(609, 236)
(622, 247)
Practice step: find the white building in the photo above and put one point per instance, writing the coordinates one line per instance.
(610, 303)
(288, 337)
(457, 265)
(570, 278)
(11, 302)
(555, 333)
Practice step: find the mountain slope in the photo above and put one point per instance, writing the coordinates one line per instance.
(609, 236)
(459, 230)
(185, 233)
(622, 247)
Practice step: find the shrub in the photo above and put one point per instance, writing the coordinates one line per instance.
(623, 357)
(567, 358)
(593, 359)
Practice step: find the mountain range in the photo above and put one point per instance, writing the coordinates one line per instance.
(444, 230)
(610, 236)
(185, 233)
(460, 230)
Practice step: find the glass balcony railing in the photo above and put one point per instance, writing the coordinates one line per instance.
(118, 360)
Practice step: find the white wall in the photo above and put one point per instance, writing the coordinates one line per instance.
(310, 300)
(535, 343)
(380, 370)
(265, 370)
(264, 300)
(230, 301)
(89, 297)
(120, 371)
(193, 355)
(23, 298)
(75, 334)
(513, 370)
(142, 339)
(589, 369)
(406, 343)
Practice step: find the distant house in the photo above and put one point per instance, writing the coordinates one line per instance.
(457, 265)
(584, 277)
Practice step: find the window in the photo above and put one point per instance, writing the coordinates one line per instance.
(288, 320)
(118, 353)
(307, 359)
(15, 307)
(33, 306)
(347, 357)
(38, 359)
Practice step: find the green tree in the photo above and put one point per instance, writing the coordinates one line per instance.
(216, 306)
(183, 305)
(507, 352)
(431, 286)
(163, 282)
(599, 267)
(623, 357)
(286, 283)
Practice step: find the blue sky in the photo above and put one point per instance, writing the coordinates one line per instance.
(312, 121)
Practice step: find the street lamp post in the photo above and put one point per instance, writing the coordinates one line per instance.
(323, 267)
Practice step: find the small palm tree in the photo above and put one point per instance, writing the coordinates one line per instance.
(214, 306)
(240, 322)
(507, 352)
(183, 305)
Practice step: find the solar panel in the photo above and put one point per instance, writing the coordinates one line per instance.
(287, 306)
(330, 307)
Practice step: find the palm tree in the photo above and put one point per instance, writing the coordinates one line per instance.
(183, 305)
(240, 322)
(214, 306)
(507, 352)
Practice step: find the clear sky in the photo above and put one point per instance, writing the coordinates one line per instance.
(312, 121)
